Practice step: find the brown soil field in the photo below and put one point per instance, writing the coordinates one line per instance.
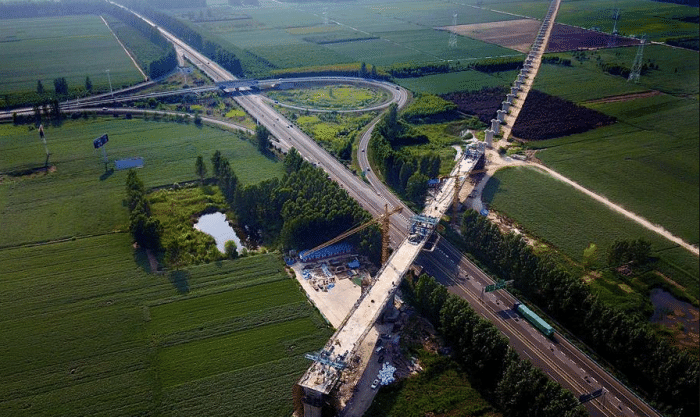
(482, 104)
(545, 117)
(519, 35)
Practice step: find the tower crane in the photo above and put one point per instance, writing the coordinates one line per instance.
(383, 219)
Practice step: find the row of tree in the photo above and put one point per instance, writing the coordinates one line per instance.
(489, 65)
(145, 229)
(406, 173)
(513, 385)
(669, 377)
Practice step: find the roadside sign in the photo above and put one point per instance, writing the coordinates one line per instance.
(99, 142)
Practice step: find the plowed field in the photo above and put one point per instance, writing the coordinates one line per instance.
(520, 34)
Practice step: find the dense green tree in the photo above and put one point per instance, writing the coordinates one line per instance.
(417, 188)
(200, 168)
(262, 137)
(216, 163)
(230, 249)
(60, 86)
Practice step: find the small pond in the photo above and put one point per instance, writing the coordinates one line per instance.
(670, 312)
(215, 225)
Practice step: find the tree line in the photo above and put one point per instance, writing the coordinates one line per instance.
(145, 229)
(489, 65)
(406, 173)
(669, 377)
(514, 386)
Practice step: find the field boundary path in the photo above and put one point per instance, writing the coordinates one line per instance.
(145, 77)
(639, 219)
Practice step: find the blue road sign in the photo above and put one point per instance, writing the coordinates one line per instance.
(99, 142)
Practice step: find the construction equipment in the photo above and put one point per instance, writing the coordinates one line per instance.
(383, 219)
(459, 182)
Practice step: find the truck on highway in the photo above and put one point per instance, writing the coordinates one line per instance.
(534, 319)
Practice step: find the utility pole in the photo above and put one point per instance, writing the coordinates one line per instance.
(43, 140)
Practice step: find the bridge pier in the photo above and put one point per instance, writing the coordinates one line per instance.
(313, 402)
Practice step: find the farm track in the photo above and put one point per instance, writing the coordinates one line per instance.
(624, 97)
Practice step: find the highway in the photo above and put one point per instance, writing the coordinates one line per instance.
(560, 360)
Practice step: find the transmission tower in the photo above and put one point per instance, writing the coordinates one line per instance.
(637, 64)
(453, 36)
(325, 16)
(616, 18)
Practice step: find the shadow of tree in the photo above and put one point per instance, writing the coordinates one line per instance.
(108, 173)
(141, 260)
(180, 280)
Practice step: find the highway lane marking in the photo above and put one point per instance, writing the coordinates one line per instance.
(560, 371)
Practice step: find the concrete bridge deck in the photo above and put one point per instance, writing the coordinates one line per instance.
(321, 378)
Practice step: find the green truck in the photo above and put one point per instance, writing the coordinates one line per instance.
(534, 319)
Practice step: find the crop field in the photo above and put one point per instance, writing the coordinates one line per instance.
(658, 21)
(647, 162)
(405, 34)
(80, 198)
(240, 337)
(88, 332)
(677, 74)
(570, 221)
(70, 46)
(457, 81)
(305, 54)
(83, 343)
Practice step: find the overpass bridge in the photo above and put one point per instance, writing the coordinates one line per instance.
(324, 375)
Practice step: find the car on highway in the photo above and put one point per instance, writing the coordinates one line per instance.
(375, 384)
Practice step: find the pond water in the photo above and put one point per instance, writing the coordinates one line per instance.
(215, 225)
(670, 311)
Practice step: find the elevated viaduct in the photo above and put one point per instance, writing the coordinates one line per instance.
(324, 374)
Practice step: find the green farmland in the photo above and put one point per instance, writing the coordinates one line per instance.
(87, 331)
(376, 33)
(567, 219)
(70, 46)
(647, 162)
(79, 198)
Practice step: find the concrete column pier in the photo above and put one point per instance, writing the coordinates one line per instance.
(514, 91)
(518, 83)
(489, 138)
(505, 106)
(495, 126)
(501, 115)
(510, 97)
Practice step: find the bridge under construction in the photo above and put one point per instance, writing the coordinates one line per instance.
(324, 375)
